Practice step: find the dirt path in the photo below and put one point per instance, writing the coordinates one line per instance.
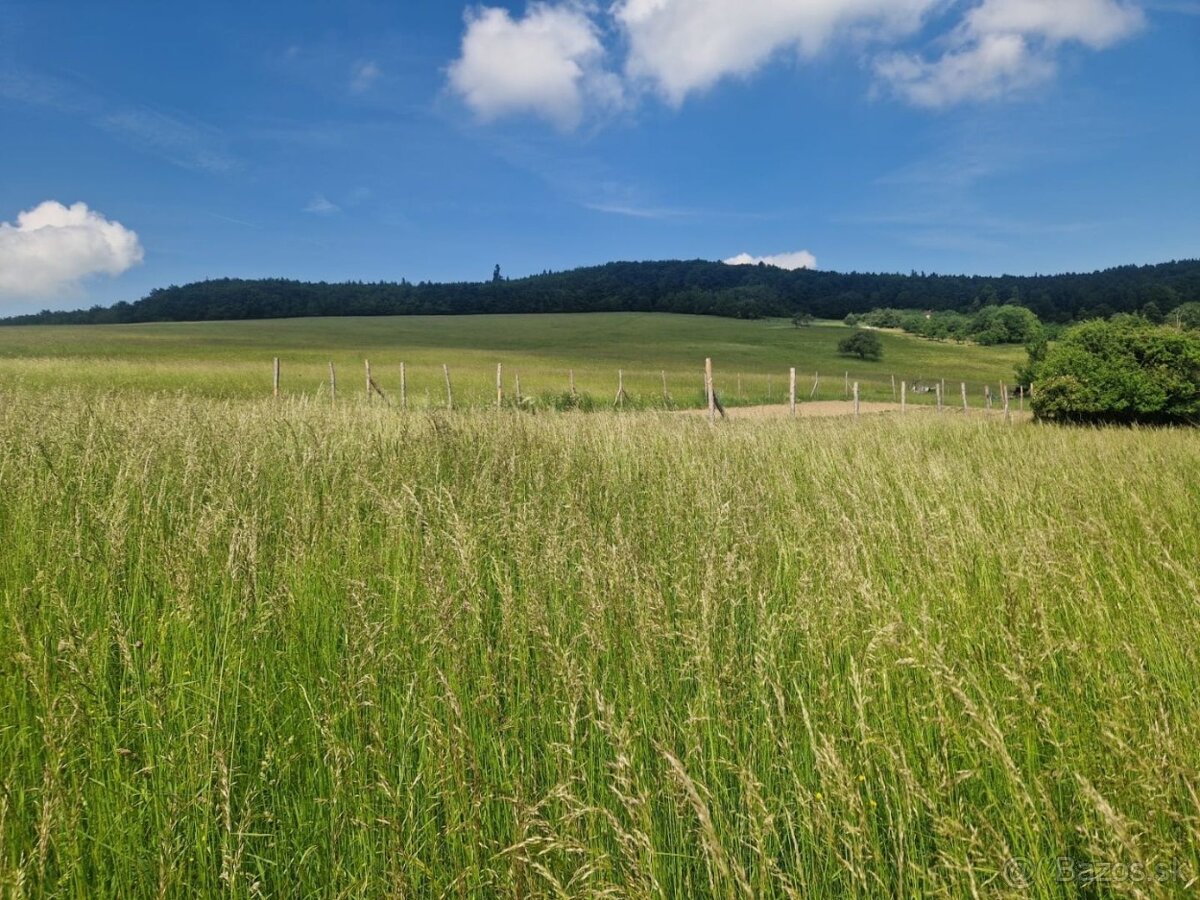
(828, 408)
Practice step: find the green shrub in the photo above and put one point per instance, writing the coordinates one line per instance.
(1124, 370)
(863, 344)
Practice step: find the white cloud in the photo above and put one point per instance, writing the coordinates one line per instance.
(1005, 46)
(364, 77)
(53, 247)
(549, 64)
(684, 46)
(801, 259)
(322, 206)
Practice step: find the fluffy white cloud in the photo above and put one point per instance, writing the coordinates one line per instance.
(53, 247)
(684, 46)
(801, 259)
(1007, 45)
(549, 63)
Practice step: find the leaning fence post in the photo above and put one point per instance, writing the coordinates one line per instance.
(403, 387)
(856, 404)
(792, 391)
(816, 384)
(275, 392)
(708, 389)
(332, 384)
(449, 391)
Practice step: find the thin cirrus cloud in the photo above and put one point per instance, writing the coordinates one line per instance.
(553, 62)
(52, 248)
(800, 259)
(364, 76)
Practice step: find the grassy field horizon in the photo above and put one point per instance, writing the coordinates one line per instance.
(233, 359)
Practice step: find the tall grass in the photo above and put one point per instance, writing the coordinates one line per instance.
(253, 649)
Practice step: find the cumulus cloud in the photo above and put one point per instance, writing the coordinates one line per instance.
(53, 247)
(684, 46)
(548, 63)
(1002, 46)
(801, 259)
(552, 62)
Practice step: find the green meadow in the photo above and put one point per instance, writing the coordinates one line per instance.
(277, 648)
(234, 359)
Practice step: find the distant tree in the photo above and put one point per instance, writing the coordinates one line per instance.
(1153, 314)
(1186, 315)
(802, 319)
(863, 344)
(851, 319)
(1124, 370)
(496, 274)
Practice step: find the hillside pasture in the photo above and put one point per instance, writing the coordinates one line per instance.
(233, 359)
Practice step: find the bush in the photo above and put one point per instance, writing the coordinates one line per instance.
(1125, 370)
(863, 344)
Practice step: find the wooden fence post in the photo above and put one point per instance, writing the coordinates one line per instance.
(1004, 394)
(666, 396)
(619, 402)
(939, 396)
(893, 388)
(368, 364)
(449, 390)
(517, 387)
(275, 392)
(403, 387)
(499, 385)
(847, 385)
(904, 396)
(816, 384)
(708, 389)
(792, 391)
(987, 395)
(964, 393)
(856, 405)
(332, 384)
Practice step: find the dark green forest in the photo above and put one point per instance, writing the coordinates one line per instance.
(696, 287)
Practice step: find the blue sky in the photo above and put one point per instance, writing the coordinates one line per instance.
(431, 140)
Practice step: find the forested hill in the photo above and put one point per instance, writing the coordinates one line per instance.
(706, 288)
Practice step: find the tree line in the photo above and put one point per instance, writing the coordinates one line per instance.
(695, 287)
